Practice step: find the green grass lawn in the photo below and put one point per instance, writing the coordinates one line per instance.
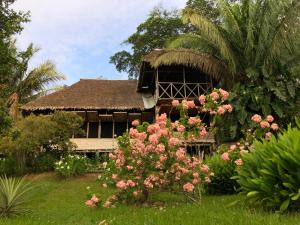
(56, 201)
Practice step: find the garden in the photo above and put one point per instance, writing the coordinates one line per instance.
(251, 177)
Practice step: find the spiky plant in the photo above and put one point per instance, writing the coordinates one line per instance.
(12, 196)
(257, 41)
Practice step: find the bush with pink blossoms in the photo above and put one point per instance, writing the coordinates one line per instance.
(152, 158)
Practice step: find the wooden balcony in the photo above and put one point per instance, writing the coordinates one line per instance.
(180, 90)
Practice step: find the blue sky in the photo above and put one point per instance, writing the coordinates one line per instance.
(80, 36)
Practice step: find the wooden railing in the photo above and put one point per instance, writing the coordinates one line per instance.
(180, 90)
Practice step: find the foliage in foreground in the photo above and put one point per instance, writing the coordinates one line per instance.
(12, 196)
(270, 174)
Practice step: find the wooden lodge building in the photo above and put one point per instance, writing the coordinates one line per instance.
(109, 106)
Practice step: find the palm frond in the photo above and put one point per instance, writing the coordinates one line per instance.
(214, 34)
(205, 62)
(192, 41)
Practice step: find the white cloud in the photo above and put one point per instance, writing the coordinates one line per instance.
(64, 29)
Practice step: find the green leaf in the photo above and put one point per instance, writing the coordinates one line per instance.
(284, 205)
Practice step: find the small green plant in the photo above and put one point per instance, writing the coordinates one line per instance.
(71, 165)
(221, 182)
(13, 196)
(270, 174)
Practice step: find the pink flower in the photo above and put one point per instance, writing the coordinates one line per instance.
(135, 123)
(153, 139)
(162, 158)
(221, 110)
(194, 121)
(153, 128)
(174, 141)
(133, 132)
(180, 154)
(224, 94)
(188, 187)
(238, 162)
(121, 185)
(274, 126)
(95, 199)
(228, 107)
(264, 124)
(202, 99)
(181, 128)
(204, 168)
(268, 135)
(195, 181)
(90, 203)
(130, 183)
(160, 148)
(191, 104)
(232, 148)
(270, 118)
(203, 133)
(256, 118)
(175, 103)
(214, 95)
(225, 156)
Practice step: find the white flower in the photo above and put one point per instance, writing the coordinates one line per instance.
(104, 164)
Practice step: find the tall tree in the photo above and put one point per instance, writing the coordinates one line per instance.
(151, 34)
(29, 84)
(256, 41)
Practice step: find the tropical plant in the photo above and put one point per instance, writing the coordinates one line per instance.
(13, 195)
(253, 42)
(27, 84)
(71, 165)
(270, 174)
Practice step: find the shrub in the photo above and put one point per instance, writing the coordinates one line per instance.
(221, 181)
(8, 166)
(43, 162)
(270, 174)
(13, 196)
(152, 158)
(71, 165)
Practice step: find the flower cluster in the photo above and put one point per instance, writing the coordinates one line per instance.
(262, 128)
(92, 202)
(151, 157)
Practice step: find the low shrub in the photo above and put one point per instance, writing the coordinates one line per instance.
(8, 166)
(221, 181)
(13, 196)
(270, 175)
(71, 165)
(43, 162)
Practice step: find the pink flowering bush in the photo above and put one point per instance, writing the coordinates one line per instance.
(152, 158)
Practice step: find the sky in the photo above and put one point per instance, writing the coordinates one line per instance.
(80, 36)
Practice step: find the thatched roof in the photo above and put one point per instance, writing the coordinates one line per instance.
(91, 94)
(187, 57)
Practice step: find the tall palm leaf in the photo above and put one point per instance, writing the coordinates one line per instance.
(29, 84)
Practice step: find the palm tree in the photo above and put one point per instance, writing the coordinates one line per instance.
(27, 85)
(256, 41)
